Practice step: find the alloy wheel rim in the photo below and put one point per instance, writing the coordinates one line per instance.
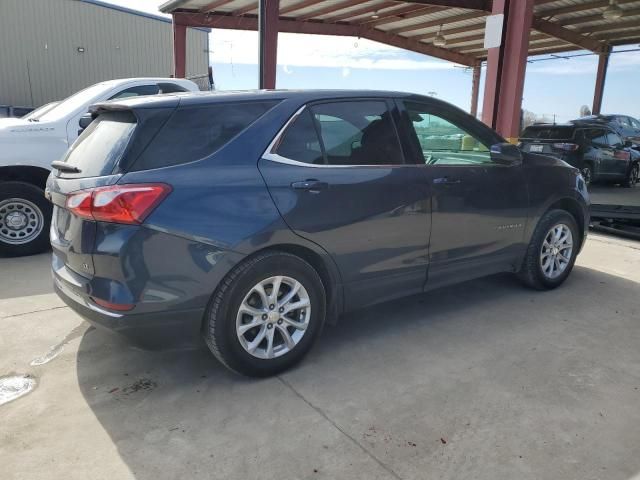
(586, 174)
(635, 173)
(21, 221)
(555, 254)
(273, 317)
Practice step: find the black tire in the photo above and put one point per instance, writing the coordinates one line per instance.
(633, 177)
(587, 174)
(33, 197)
(219, 328)
(531, 273)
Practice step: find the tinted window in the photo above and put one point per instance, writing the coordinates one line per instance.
(136, 91)
(634, 123)
(443, 142)
(300, 141)
(614, 139)
(554, 132)
(101, 145)
(357, 133)
(192, 133)
(171, 88)
(596, 136)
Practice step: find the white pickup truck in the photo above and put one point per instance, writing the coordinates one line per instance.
(28, 145)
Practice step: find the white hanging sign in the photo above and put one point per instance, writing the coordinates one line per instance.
(493, 31)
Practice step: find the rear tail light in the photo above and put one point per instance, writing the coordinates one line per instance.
(621, 155)
(567, 147)
(128, 204)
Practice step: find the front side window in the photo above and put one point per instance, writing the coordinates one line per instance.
(634, 123)
(443, 142)
(343, 133)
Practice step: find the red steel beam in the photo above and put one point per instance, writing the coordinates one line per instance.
(268, 18)
(475, 90)
(506, 67)
(179, 49)
(601, 77)
(569, 36)
(213, 20)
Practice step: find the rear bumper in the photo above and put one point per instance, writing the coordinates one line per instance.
(166, 329)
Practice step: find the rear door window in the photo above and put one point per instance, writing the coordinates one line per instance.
(102, 144)
(193, 133)
(357, 133)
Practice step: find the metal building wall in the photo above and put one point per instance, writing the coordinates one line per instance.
(39, 41)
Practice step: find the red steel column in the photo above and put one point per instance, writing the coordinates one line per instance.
(603, 65)
(268, 13)
(179, 49)
(506, 67)
(475, 90)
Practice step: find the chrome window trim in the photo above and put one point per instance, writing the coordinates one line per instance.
(274, 157)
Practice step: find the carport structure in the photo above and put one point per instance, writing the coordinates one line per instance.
(451, 30)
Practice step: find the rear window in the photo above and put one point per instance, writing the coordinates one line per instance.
(192, 133)
(554, 133)
(101, 145)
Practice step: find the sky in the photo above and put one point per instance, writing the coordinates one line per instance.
(552, 88)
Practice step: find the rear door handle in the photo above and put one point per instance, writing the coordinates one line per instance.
(311, 185)
(446, 181)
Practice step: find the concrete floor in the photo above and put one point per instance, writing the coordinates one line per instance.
(485, 380)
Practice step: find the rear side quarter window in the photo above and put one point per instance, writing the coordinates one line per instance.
(193, 133)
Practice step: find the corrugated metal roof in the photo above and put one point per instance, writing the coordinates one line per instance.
(420, 22)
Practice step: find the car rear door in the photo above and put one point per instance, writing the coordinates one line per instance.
(338, 177)
(479, 207)
(620, 160)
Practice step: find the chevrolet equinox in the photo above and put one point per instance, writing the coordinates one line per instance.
(251, 218)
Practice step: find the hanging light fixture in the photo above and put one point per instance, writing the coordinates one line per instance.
(439, 40)
(375, 15)
(613, 11)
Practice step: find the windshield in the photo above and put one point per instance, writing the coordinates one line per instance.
(76, 101)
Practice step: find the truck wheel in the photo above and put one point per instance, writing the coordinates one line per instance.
(633, 177)
(266, 314)
(552, 251)
(25, 218)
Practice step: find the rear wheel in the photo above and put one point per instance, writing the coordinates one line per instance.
(633, 177)
(552, 251)
(266, 314)
(25, 217)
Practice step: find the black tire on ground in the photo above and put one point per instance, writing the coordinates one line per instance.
(34, 198)
(633, 177)
(531, 273)
(219, 326)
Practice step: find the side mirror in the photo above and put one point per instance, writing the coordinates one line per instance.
(85, 121)
(506, 154)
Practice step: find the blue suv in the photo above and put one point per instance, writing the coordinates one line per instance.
(251, 218)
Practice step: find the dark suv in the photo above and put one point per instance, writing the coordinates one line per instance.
(594, 148)
(250, 218)
(624, 125)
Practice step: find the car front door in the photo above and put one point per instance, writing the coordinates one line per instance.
(338, 177)
(479, 207)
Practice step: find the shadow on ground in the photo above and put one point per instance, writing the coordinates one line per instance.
(481, 380)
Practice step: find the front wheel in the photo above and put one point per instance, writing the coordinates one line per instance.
(267, 313)
(552, 251)
(633, 177)
(25, 217)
